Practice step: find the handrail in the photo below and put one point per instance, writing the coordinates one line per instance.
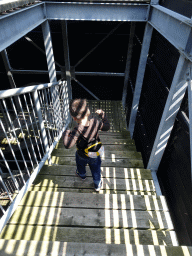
(32, 120)
(18, 91)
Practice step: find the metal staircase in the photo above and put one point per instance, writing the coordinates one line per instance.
(63, 215)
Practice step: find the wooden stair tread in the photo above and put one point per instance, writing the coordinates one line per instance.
(108, 154)
(33, 248)
(108, 147)
(108, 183)
(89, 190)
(94, 201)
(109, 172)
(79, 217)
(108, 162)
(94, 235)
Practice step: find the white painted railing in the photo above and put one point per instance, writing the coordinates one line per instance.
(32, 120)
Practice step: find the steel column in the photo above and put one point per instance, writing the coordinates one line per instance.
(176, 94)
(66, 56)
(190, 111)
(176, 28)
(140, 76)
(128, 64)
(49, 51)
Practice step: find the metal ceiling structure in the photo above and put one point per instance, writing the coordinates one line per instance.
(177, 29)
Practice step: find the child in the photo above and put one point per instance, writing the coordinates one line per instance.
(85, 136)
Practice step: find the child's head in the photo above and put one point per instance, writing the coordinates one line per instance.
(78, 109)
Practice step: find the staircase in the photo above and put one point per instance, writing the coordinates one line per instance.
(63, 215)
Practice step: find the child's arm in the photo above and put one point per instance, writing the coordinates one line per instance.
(70, 137)
(105, 126)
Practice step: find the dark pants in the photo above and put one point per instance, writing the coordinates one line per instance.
(94, 164)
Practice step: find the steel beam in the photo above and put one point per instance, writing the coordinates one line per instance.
(66, 56)
(17, 24)
(128, 63)
(96, 11)
(110, 74)
(32, 72)
(176, 94)
(78, 73)
(176, 28)
(140, 76)
(49, 51)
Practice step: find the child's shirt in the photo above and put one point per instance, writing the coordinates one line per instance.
(70, 138)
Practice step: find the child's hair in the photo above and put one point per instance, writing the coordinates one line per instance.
(78, 108)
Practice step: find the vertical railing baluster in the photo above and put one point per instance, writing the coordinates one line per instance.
(15, 135)
(1, 207)
(8, 140)
(40, 93)
(27, 148)
(50, 131)
(52, 112)
(4, 186)
(42, 127)
(37, 127)
(62, 100)
(31, 121)
(9, 170)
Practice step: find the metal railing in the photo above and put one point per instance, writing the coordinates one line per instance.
(32, 120)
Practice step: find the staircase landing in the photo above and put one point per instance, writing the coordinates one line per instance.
(63, 215)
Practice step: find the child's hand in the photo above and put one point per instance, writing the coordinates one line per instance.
(100, 112)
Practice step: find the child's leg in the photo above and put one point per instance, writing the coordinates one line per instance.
(95, 167)
(81, 163)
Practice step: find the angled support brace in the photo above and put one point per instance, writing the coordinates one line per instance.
(175, 97)
(140, 76)
(8, 69)
(9, 73)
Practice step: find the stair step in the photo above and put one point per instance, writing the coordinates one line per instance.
(89, 235)
(63, 215)
(108, 139)
(106, 172)
(108, 154)
(89, 190)
(112, 147)
(94, 201)
(45, 248)
(121, 162)
(108, 183)
(102, 218)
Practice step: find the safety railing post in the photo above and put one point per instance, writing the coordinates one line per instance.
(41, 123)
